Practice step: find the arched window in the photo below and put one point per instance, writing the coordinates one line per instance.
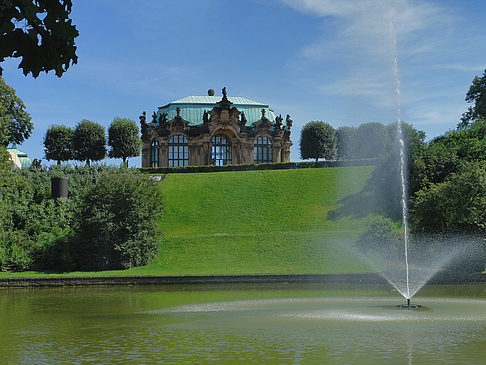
(262, 150)
(154, 153)
(221, 150)
(178, 151)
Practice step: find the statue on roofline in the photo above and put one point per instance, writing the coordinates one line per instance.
(163, 119)
(278, 121)
(243, 119)
(143, 124)
(288, 121)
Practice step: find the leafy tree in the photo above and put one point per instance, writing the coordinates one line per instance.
(371, 140)
(456, 205)
(116, 223)
(318, 140)
(477, 95)
(123, 138)
(58, 143)
(346, 143)
(89, 142)
(40, 32)
(15, 122)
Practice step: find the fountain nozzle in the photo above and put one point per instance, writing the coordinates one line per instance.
(408, 305)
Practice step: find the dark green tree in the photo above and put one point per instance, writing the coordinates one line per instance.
(124, 139)
(40, 32)
(346, 143)
(58, 143)
(117, 223)
(457, 205)
(371, 140)
(477, 95)
(318, 140)
(15, 122)
(89, 142)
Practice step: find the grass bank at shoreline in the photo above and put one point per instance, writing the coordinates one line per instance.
(253, 223)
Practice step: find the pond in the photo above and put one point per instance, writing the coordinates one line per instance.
(281, 324)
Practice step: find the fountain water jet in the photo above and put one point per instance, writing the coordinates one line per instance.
(403, 179)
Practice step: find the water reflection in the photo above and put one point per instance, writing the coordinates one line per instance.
(262, 324)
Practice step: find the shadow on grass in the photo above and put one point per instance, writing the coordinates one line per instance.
(381, 195)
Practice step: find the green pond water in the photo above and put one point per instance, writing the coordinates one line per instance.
(260, 324)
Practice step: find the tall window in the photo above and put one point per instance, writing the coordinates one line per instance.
(262, 150)
(221, 150)
(154, 153)
(178, 151)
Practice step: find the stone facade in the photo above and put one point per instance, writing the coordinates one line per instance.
(224, 136)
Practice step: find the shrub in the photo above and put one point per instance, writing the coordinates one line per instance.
(115, 225)
(381, 237)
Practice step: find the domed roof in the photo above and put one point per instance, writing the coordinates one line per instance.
(25, 160)
(192, 108)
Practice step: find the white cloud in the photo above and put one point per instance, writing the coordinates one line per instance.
(364, 42)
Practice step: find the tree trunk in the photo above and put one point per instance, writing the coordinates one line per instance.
(88, 162)
(59, 163)
(125, 162)
(317, 158)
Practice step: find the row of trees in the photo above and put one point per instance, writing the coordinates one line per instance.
(369, 140)
(87, 142)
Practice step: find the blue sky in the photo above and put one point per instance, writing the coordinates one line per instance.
(313, 59)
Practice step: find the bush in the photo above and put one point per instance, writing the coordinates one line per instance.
(115, 225)
(381, 237)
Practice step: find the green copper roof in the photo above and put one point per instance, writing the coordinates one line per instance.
(193, 107)
(25, 160)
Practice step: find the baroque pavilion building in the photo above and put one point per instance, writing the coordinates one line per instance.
(214, 130)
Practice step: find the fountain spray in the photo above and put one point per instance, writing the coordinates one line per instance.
(403, 176)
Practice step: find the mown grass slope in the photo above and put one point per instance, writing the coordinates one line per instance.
(254, 222)
(257, 222)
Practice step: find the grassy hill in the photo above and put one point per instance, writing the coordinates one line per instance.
(256, 222)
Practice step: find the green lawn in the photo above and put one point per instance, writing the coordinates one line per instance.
(254, 222)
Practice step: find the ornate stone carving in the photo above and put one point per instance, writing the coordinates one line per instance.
(222, 118)
(243, 120)
(278, 122)
(288, 121)
(163, 119)
(144, 128)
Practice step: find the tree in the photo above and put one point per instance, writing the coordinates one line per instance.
(58, 143)
(477, 95)
(89, 142)
(457, 205)
(318, 140)
(346, 143)
(117, 223)
(123, 138)
(371, 139)
(40, 32)
(15, 122)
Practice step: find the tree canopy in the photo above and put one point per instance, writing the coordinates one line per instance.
(89, 142)
(58, 143)
(40, 32)
(124, 139)
(15, 122)
(477, 95)
(318, 140)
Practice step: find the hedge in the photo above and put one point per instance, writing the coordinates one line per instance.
(263, 166)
